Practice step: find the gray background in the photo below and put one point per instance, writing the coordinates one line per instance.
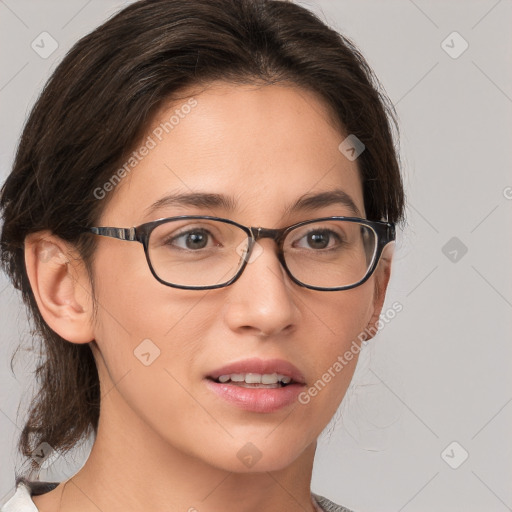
(439, 372)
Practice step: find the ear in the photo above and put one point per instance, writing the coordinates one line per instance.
(381, 276)
(61, 286)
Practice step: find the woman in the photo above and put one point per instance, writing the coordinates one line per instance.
(200, 219)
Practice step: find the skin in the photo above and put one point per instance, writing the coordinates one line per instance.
(165, 442)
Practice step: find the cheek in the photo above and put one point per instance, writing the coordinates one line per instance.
(140, 320)
(345, 314)
(131, 302)
(149, 338)
(343, 317)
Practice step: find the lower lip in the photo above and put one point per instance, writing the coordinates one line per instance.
(256, 399)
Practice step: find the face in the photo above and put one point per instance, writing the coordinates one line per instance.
(263, 148)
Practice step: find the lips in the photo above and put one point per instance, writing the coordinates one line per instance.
(257, 385)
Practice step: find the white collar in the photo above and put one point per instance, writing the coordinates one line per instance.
(21, 501)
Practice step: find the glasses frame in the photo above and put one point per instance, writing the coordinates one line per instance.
(385, 233)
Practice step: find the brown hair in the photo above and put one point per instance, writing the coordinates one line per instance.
(100, 101)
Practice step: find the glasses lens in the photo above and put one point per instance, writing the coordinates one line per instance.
(197, 252)
(330, 254)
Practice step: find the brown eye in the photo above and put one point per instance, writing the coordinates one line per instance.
(318, 239)
(192, 240)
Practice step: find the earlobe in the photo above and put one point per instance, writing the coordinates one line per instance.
(60, 286)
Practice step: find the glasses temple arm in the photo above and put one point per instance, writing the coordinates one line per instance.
(119, 233)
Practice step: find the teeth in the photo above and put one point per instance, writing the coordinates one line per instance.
(269, 378)
(255, 378)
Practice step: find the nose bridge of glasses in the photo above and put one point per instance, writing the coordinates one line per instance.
(259, 233)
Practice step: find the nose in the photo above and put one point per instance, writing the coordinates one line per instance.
(261, 301)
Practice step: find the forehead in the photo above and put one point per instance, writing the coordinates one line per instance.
(262, 146)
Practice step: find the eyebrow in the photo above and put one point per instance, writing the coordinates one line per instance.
(193, 199)
(313, 201)
(307, 202)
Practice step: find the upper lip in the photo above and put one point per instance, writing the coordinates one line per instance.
(260, 366)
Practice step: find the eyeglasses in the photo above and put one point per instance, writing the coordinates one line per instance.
(196, 252)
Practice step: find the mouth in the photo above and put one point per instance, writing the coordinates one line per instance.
(257, 385)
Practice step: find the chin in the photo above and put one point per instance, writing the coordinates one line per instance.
(257, 456)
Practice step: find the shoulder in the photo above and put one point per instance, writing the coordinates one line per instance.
(327, 505)
(21, 501)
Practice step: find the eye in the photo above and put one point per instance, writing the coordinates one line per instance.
(319, 239)
(192, 240)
